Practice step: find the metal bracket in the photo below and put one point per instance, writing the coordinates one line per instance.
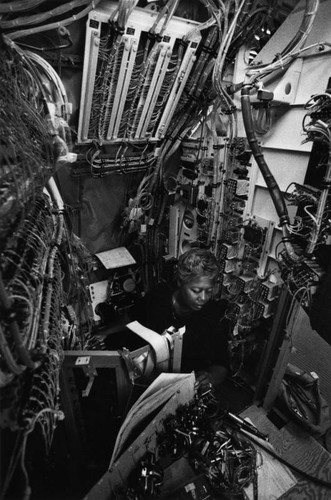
(91, 373)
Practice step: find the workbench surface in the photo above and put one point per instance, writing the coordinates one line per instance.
(299, 448)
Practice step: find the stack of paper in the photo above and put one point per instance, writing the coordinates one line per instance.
(154, 398)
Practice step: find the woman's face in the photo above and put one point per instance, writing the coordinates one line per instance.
(196, 293)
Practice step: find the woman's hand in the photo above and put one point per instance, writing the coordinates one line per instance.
(215, 376)
(203, 379)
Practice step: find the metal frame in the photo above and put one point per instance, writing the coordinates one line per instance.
(89, 361)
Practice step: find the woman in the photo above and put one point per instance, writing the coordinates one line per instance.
(191, 303)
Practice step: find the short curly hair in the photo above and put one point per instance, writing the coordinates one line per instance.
(195, 263)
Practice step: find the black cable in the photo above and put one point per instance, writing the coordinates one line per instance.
(306, 475)
(272, 185)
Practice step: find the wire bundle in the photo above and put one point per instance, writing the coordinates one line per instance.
(228, 22)
(293, 48)
(319, 112)
(38, 404)
(64, 15)
(319, 131)
(110, 56)
(26, 151)
(108, 80)
(32, 231)
(24, 263)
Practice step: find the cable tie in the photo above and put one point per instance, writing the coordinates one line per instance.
(118, 29)
(207, 49)
(183, 43)
(284, 219)
(151, 35)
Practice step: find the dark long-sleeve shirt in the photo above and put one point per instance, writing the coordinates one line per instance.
(205, 338)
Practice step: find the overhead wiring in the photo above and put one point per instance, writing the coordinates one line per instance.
(224, 47)
(19, 6)
(306, 25)
(58, 24)
(112, 48)
(165, 14)
(60, 98)
(33, 235)
(319, 130)
(41, 17)
(206, 25)
(272, 185)
(293, 49)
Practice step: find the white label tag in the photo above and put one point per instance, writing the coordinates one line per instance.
(83, 360)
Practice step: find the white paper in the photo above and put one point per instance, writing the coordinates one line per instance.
(156, 396)
(115, 258)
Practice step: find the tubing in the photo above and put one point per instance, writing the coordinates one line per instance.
(271, 183)
(293, 49)
(305, 27)
(275, 192)
(51, 26)
(25, 21)
(19, 6)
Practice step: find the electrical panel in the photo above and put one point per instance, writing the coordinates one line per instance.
(132, 81)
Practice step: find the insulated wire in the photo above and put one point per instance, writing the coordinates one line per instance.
(19, 6)
(223, 49)
(198, 29)
(46, 27)
(107, 75)
(272, 185)
(148, 58)
(165, 89)
(194, 92)
(110, 73)
(148, 67)
(42, 16)
(297, 42)
(304, 29)
(247, 27)
(165, 13)
(110, 89)
(143, 88)
(52, 76)
(320, 128)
